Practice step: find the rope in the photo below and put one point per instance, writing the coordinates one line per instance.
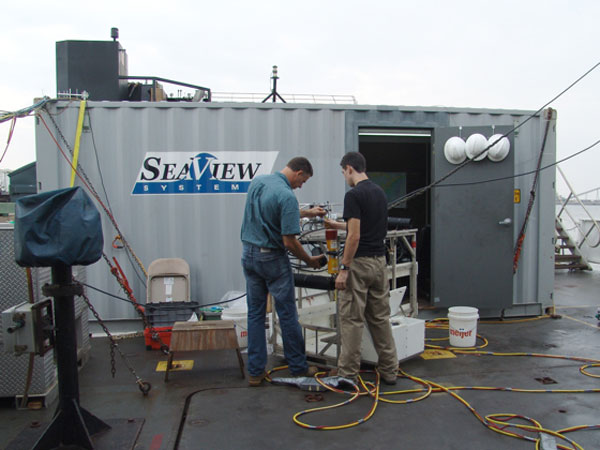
(521, 238)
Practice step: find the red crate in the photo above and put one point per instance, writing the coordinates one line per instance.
(154, 344)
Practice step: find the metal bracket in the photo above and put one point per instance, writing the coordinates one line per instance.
(62, 290)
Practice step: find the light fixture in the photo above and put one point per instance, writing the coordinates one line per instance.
(500, 148)
(454, 150)
(394, 132)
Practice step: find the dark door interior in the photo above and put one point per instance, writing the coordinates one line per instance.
(399, 161)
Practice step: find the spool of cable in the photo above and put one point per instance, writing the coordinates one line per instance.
(314, 282)
(398, 223)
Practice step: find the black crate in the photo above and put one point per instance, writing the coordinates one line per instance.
(165, 314)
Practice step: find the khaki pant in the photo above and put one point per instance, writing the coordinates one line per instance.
(366, 298)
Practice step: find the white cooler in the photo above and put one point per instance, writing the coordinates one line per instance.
(409, 336)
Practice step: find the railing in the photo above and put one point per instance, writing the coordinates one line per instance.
(564, 209)
(289, 98)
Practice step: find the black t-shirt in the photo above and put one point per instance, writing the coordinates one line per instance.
(367, 202)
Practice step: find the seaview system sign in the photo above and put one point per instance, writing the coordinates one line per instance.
(201, 173)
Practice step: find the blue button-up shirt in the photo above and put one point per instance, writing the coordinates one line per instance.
(271, 211)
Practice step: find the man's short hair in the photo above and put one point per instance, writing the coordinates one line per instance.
(301, 163)
(355, 160)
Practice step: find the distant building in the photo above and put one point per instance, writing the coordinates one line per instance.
(23, 181)
(4, 181)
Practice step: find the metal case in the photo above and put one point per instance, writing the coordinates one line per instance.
(13, 291)
(28, 328)
(92, 66)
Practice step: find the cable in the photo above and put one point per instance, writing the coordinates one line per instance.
(133, 303)
(10, 135)
(83, 177)
(13, 116)
(224, 301)
(502, 423)
(306, 233)
(134, 266)
(424, 189)
(354, 395)
(89, 116)
(105, 292)
(24, 112)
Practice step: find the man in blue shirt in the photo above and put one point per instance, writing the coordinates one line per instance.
(269, 228)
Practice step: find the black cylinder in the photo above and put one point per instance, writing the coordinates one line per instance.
(314, 282)
(398, 223)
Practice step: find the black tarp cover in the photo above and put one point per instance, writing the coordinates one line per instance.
(57, 227)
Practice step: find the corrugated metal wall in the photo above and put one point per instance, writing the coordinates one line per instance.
(204, 229)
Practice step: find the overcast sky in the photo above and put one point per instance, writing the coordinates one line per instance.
(501, 54)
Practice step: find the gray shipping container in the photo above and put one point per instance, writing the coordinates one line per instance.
(174, 176)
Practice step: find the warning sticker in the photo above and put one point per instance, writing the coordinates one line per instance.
(437, 354)
(177, 365)
(517, 196)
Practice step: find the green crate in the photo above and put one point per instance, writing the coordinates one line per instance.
(211, 313)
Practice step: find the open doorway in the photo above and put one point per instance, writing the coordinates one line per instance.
(399, 160)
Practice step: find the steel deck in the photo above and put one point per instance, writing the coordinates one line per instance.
(211, 406)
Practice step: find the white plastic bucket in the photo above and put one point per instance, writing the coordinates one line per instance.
(463, 326)
(240, 317)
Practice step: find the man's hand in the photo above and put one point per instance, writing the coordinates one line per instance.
(315, 211)
(316, 262)
(334, 224)
(341, 279)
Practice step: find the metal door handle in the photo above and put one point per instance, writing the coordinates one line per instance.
(506, 222)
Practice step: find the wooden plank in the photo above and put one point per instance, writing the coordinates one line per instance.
(204, 325)
(572, 266)
(565, 258)
(210, 335)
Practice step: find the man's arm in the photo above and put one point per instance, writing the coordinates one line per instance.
(315, 211)
(350, 247)
(334, 224)
(293, 245)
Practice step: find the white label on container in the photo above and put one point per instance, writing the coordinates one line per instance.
(201, 172)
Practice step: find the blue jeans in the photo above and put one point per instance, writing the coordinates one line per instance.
(271, 272)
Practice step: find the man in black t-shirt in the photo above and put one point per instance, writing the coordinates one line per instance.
(362, 280)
